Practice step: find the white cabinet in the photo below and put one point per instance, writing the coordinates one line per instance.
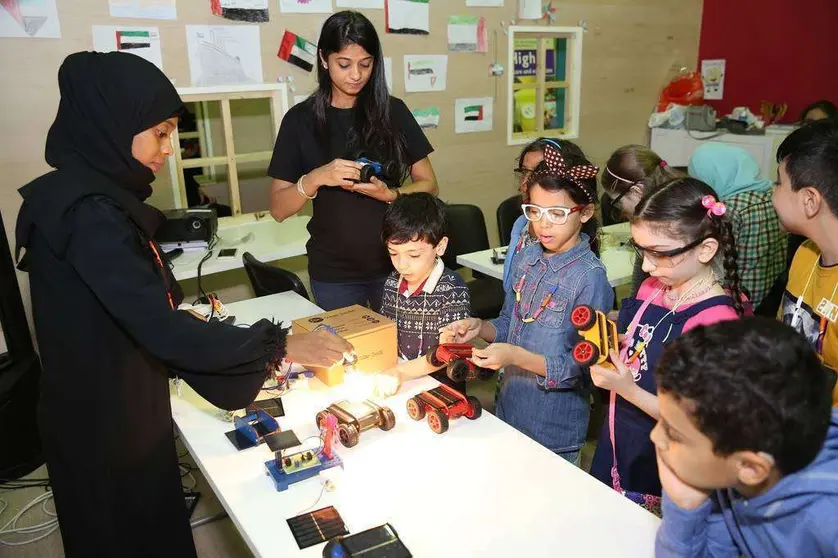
(676, 146)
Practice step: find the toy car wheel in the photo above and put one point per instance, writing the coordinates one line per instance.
(321, 416)
(431, 356)
(583, 317)
(458, 371)
(484, 374)
(415, 408)
(348, 435)
(388, 419)
(437, 421)
(367, 172)
(476, 408)
(585, 353)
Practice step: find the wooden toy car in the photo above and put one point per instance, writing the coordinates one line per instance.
(456, 358)
(599, 336)
(442, 404)
(356, 417)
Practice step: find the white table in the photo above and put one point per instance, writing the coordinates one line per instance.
(618, 257)
(265, 239)
(481, 489)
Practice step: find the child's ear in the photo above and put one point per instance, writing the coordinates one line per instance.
(707, 250)
(754, 467)
(587, 212)
(441, 247)
(812, 201)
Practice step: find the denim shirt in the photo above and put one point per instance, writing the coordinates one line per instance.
(552, 410)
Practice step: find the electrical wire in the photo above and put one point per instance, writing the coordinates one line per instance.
(43, 530)
(210, 247)
(322, 490)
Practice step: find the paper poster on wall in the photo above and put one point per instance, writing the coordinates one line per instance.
(254, 11)
(388, 73)
(467, 34)
(305, 6)
(427, 118)
(224, 54)
(473, 115)
(411, 17)
(484, 3)
(364, 4)
(425, 72)
(297, 51)
(142, 41)
(529, 9)
(35, 19)
(145, 9)
(713, 76)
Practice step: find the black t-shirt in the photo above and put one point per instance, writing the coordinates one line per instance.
(345, 230)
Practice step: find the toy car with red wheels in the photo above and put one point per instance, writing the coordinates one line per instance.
(356, 417)
(442, 404)
(456, 358)
(599, 336)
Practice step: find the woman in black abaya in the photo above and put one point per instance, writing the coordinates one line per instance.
(104, 308)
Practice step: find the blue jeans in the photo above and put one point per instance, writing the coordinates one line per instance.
(331, 296)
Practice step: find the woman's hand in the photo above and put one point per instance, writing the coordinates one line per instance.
(495, 356)
(376, 189)
(320, 348)
(682, 494)
(461, 331)
(615, 377)
(340, 172)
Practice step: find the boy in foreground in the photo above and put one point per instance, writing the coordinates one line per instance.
(747, 444)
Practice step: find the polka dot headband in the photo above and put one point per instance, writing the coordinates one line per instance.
(557, 167)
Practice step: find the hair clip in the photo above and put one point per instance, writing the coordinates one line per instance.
(664, 164)
(713, 207)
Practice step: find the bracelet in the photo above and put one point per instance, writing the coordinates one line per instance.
(301, 191)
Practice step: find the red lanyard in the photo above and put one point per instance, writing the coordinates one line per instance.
(159, 261)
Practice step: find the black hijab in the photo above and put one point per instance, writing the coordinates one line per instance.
(107, 99)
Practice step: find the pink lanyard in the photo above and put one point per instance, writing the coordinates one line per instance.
(615, 474)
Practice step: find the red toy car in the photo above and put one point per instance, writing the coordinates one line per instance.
(442, 404)
(457, 360)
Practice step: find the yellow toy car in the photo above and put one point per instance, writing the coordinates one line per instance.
(599, 336)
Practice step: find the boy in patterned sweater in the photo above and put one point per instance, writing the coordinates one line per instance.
(421, 295)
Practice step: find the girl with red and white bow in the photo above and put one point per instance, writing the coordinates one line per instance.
(678, 230)
(544, 393)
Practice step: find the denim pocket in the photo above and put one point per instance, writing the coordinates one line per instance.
(554, 314)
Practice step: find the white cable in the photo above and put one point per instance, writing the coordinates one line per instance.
(46, 528)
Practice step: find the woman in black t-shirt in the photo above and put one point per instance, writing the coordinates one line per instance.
(350, 114)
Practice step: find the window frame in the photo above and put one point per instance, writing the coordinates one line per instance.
(573, 81)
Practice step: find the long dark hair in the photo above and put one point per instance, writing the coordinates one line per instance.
(582, 191)
(676, 207)
(373, 130)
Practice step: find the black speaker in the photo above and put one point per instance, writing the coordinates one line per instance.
(20, 376)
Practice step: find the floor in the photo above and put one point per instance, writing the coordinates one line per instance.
(213, 540)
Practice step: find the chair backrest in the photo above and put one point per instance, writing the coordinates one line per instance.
(267, 279)
(466, 232)
(508, 212)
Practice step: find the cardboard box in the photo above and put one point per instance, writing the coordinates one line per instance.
(373, 336)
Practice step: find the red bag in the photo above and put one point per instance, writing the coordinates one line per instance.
(685, 89)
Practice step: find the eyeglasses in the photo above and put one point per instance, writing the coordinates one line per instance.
(555, 215)
(666, 258)
(522, 174)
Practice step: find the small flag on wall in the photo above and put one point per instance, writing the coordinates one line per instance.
(298, 51)
(129, 40)
(411, 17)
(427, 118)
(473, 115)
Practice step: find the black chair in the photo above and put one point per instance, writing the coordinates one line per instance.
(508, 212)
(466, 234)
(267, 279)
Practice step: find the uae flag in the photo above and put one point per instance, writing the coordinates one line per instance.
(129, 40)
(474, 113)
(297, 51)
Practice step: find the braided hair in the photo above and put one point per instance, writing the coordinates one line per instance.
(680, 208)
(571, 173)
